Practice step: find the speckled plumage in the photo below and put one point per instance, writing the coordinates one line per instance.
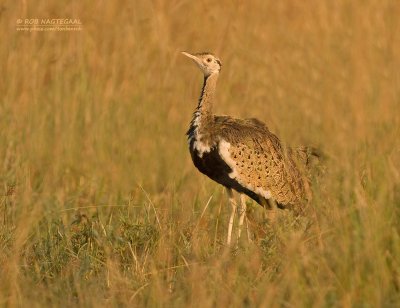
(259, 162)
(242, 154)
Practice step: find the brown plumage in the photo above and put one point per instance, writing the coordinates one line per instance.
(242, 154)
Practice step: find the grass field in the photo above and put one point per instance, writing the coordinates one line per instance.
(100, 203)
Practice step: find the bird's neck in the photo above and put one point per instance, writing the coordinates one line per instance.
(203, 114)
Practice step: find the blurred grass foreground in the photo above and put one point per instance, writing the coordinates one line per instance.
(100, 204)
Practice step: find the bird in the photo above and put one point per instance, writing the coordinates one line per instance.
(243, 155)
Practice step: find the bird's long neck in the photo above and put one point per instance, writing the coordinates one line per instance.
(203, 114)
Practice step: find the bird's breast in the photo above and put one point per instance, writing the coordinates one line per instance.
(199, 146)
(209, 162)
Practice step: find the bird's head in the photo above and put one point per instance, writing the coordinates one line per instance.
(208, 63)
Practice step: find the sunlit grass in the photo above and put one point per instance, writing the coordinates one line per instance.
(100, 203)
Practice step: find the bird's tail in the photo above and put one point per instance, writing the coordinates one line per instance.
(309, 155)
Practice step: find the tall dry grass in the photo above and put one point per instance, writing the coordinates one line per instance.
(100, 203)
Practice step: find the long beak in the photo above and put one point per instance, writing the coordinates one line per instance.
(194, 58)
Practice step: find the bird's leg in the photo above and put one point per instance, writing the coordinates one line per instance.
(242, 214)
(232, 202)
(246, 218)
(248, 230)
(273, 210)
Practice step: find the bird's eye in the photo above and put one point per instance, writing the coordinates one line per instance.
(208, 60)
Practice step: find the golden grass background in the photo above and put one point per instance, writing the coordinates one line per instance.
(100, 203)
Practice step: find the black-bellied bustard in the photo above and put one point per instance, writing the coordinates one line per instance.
(242, 154)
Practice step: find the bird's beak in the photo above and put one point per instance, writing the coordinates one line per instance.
(194, 58)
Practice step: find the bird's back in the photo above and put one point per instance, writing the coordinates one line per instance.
(247, 157)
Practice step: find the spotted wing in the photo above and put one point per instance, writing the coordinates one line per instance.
(259, 162)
